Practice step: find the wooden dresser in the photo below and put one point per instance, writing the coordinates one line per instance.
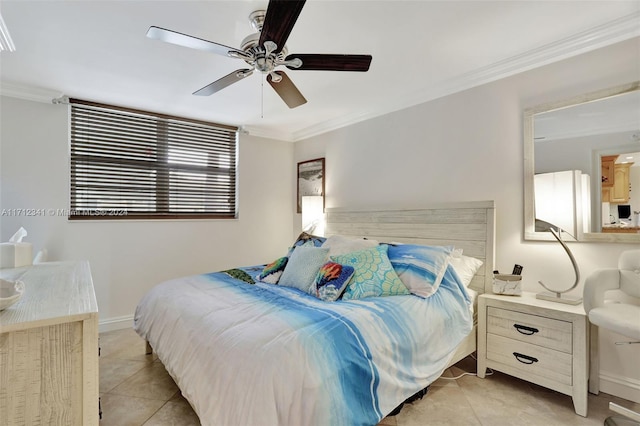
(49, 347)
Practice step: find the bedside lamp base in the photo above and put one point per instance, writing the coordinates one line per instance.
(559, 298)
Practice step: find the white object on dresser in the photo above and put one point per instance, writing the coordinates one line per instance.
(49, 347)
(10, 293)
(536, 340)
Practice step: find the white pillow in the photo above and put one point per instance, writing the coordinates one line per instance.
(465, 266)
(340, 244)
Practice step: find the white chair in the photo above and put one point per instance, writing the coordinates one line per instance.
(621, 318)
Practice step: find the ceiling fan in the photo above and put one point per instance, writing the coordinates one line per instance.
(265, 50)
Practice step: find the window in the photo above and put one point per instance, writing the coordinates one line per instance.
(129, 164)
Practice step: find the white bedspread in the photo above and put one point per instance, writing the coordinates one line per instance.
(264, 354)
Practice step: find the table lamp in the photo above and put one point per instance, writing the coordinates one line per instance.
(558, 209)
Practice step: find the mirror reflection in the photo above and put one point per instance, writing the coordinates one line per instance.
(599, 135)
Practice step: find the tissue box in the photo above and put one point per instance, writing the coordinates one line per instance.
(507, 284)
(15, 255)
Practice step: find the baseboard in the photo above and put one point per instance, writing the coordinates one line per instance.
(623, 387)
(117, 323)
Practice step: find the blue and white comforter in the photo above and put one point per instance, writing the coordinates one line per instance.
(264, 354)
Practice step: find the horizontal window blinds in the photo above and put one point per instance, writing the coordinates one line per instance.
(128, 164)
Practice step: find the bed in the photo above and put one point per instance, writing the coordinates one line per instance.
(263, 354)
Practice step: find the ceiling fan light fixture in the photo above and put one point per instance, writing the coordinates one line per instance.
(265, 50)
(256, 19)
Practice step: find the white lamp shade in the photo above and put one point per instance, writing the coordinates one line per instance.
(313, 214)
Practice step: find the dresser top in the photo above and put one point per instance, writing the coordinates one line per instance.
(529, 299)
(55, 292)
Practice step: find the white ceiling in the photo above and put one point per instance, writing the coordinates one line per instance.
(97, 50)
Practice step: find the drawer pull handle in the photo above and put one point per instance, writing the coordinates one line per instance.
(523, 329)
(527, 359)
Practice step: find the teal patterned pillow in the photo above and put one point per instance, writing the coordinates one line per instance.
(306, 240)
(272, 272)
(331, 281)
(303, 266)
(374, 275)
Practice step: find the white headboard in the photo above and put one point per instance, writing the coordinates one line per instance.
(469, 226)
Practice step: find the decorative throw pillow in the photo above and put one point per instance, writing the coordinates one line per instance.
(465, 266)
(331, 281)
(373, 276)
(306, 239)
(272, 272)
(340, 244)
(303, 266)
(420, 268)
(239, 274)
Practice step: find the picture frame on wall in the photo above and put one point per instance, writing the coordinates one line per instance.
(310, 179)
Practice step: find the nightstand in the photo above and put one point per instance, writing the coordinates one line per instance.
(543, 342)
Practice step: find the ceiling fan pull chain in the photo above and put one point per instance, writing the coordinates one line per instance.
(261, 98)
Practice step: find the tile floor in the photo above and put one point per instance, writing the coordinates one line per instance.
(135, 390)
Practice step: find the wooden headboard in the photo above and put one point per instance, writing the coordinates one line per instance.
(469, 226)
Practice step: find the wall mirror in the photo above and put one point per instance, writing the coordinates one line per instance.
(599, 134)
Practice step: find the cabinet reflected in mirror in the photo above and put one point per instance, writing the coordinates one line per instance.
(598, 134)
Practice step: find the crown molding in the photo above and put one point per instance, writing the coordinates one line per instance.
(47, 96)
(36, 94)
(615, 31)
(267, 133)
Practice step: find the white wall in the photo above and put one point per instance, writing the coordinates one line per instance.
(128, 257)
(469, 146)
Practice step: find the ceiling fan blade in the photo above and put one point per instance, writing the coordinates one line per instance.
(185, 40)
(279, 21)
(225, 81)
(322, 62)
(287, 90)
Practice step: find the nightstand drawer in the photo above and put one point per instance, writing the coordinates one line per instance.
(530, 359)
(546, 332)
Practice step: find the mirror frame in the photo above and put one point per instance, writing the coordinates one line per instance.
(529, 166)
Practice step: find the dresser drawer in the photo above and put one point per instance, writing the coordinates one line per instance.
(536, 330)
(530, 359)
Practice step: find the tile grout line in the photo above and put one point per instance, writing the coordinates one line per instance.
(154, 413)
